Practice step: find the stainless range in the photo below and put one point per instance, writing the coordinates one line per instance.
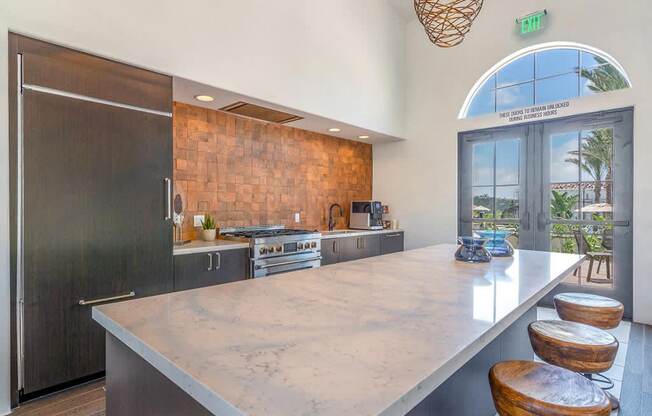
(275, 249)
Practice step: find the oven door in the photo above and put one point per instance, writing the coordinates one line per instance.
(283, 264)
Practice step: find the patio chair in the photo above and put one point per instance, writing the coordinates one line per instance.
(607, 244)
(583, 247)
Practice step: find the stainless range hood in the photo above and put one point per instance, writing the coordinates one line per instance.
(242, 108)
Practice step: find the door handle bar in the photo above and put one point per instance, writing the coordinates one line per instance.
(84, 302)
(287, 263)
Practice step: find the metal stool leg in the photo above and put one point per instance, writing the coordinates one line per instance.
(600, 380)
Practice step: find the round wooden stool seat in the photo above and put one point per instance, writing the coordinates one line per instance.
(594, 310)
(526, 388)
(577, 347)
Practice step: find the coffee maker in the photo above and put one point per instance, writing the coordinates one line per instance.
(366, 215)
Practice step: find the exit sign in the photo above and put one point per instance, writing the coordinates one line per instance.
(531, 22)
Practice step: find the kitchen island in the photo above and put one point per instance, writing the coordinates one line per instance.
(410, 332)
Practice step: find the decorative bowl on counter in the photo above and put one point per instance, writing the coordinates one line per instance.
(472, 250)
(497, 243)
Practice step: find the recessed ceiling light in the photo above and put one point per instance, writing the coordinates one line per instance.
(204, 98)
(363, 137)
(334, 129)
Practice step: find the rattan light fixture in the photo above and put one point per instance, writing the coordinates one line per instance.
(447, 21)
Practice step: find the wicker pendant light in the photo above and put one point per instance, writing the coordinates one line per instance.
(447, 21)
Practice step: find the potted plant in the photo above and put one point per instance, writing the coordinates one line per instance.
(209, 231)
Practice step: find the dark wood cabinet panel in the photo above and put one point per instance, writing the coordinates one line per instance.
(370, 245)
(94, 226)
(355, 248)
(392, 243)
(329, 251)
(349, 248)
(94, 202)
(193, 271)
(75, 72)
(336, 250)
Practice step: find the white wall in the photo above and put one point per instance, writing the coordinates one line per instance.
(418, 177)
(338, 59)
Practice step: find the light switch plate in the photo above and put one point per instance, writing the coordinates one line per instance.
(297, 217)
(198, 219)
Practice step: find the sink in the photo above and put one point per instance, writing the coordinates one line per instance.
(339, 232)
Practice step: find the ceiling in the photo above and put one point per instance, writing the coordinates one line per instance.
(405, 8)
(185, 90)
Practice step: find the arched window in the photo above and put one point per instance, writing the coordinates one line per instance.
(543, 74)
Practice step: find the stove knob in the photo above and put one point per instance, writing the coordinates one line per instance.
(313, 244)
(300, 246)
(263, 250)
(279, 249)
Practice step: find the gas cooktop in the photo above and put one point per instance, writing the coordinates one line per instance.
(263, 231)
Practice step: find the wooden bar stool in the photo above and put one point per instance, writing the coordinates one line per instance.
(586, 308)
(526, 388)
(576, 347)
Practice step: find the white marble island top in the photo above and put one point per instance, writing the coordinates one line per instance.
(367, 337)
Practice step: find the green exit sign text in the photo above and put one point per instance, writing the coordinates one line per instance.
(531, 22)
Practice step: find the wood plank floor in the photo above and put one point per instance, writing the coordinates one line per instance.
(85, 400)
(636, 394)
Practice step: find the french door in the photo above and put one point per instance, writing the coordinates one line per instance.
(563, 186)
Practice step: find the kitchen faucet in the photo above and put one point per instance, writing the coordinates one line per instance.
(331, 220)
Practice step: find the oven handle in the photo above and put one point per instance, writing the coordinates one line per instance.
(286, 263)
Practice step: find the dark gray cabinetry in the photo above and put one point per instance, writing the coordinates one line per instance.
(336, 250)
(392, 243)
(90, 216)
(192, 271)
(330, 251)
(355, 248)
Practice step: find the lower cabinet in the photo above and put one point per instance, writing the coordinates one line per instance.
(192, 271)
(330, 252)
(355, 248)
(392, 243)
(336, 250)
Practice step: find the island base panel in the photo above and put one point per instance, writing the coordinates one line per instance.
(135, 388)
(467, 392)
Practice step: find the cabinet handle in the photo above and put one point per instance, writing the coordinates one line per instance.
(334, 246)
(392, 235)
(210, 262)
(219, 260)
(84, 302)
(168, 198)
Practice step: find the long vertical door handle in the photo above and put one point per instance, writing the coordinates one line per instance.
(219, 260)
(334, 246)
(210, 262)
(168, 198)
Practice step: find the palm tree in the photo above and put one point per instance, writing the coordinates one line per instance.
(562, 205)
(597, 150)
(605, 77)
(596, 159)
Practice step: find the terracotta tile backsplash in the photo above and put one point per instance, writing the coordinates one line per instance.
(248, 172)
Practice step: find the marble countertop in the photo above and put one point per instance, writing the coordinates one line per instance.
(200, 246)
(354, 233)
(367, 337)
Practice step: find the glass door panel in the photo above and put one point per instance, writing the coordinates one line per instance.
(491, 183)
(587, 175)
(562, 186)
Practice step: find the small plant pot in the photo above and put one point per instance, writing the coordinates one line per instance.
(208, 235)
